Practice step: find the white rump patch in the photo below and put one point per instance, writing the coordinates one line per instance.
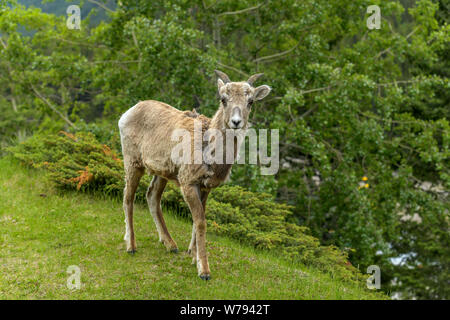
(124, 118)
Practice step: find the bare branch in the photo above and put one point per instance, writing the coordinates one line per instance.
(3, 44)
(277, 55)
(411, 33)
(115, 61)
(38, 94)
(389, 49)
(234, 69)
(379, 54)
(398, 81)
(137, 47)
(239, 11)
(317, 89)
(378, 85)
(135, 40)
(14, 104)
(418, 122)
(206, 7)
(307, 112)
(101, 5)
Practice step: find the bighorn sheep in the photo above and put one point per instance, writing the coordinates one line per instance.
(146, 130)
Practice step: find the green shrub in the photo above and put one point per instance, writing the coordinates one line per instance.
(80, 162)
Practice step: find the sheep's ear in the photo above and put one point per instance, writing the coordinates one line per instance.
(220, 84)
(261, 92)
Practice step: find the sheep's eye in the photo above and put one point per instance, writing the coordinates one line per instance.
(224, 101)
(250, 102)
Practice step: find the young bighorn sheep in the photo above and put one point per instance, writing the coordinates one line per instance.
(146, 136)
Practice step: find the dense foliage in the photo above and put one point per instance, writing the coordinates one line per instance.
(363, 113)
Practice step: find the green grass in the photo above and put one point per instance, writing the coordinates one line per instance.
(44, 231)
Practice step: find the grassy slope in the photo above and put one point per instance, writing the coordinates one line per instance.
(41, 236)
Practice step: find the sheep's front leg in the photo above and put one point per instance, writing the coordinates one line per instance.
(192, 196)
(193, 245)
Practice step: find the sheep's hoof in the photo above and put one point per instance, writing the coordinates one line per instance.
(171, 246)
(132, 252)
(205, 277)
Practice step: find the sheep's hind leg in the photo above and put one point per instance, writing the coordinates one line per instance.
(132, 177)
(154, 194)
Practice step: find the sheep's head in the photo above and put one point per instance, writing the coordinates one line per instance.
(236, 99)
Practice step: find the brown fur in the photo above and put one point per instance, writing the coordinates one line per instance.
(146, 131)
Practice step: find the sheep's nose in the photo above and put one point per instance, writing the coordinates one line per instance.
(236, 122)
